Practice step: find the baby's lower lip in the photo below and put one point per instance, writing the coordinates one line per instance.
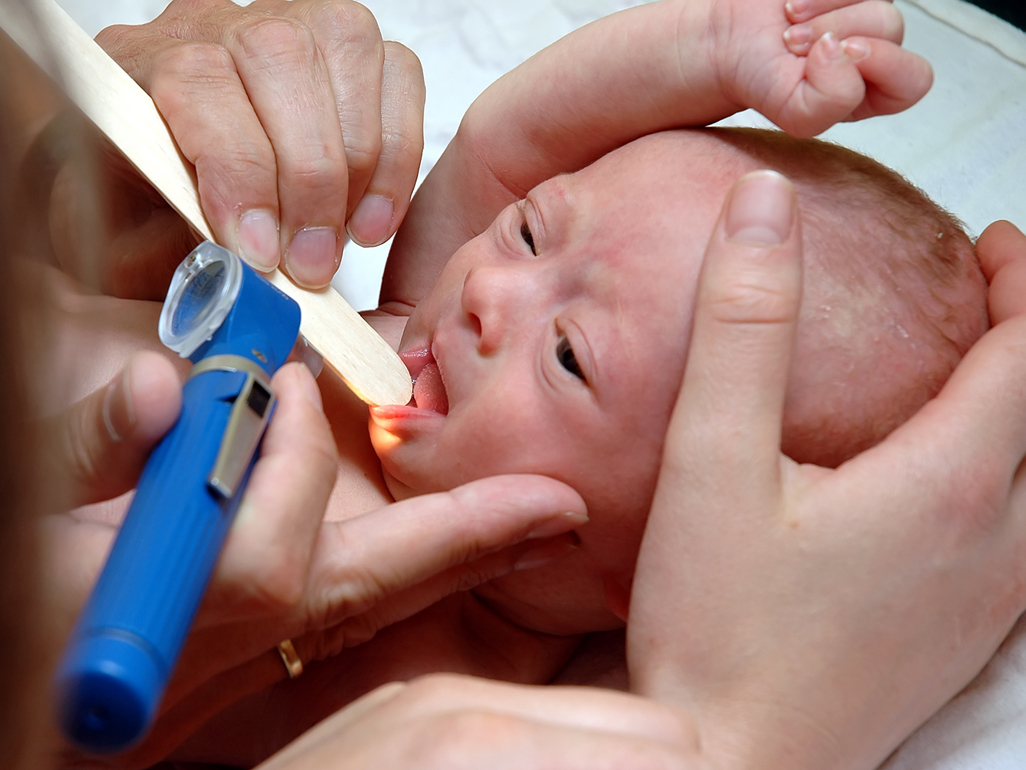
(405, 422)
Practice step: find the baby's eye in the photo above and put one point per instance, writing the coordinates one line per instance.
(566, 357)
(525, 233)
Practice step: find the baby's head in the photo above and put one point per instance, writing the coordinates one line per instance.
(555, 342)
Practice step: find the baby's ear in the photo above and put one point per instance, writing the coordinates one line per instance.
(618, 597)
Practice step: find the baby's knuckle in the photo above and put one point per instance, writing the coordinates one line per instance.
(893, 23)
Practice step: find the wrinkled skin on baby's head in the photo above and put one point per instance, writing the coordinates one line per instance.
(560, 337)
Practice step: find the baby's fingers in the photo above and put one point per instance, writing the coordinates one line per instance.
(802, 10)
(895, 78)
(830, 91)
(873, 19)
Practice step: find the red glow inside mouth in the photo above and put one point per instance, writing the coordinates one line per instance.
(429, 390)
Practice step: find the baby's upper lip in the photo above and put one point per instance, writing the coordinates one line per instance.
(416, 359)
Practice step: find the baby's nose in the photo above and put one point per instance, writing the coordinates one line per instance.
(494, 299)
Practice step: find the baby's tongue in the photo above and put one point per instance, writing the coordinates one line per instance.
(429, 392)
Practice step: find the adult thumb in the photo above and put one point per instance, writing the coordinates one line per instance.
(728, 418)
(100, 444)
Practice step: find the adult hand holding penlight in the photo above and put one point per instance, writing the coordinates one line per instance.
(237, 330)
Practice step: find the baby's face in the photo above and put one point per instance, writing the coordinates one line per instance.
(554, 343)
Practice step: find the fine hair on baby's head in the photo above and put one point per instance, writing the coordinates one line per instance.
(893, 296)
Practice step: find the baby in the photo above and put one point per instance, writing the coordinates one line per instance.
(555, 343)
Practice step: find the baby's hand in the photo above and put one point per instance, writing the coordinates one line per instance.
(835, 60)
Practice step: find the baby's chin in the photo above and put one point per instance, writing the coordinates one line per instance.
(399, 436)
(398, 489)
(564, 598)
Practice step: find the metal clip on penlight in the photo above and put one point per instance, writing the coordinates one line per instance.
(237, 329)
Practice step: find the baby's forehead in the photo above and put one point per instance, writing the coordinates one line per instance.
(660, 170)
(645, 211)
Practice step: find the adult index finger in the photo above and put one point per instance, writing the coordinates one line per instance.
(726, 426)
(363, 561)
(263, 569)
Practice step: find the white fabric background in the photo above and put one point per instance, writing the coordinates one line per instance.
(963, 144)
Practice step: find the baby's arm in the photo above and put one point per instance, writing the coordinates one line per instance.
(670, 64)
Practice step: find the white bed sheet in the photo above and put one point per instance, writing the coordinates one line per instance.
(964, 144)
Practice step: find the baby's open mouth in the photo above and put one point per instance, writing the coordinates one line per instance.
(428, 387)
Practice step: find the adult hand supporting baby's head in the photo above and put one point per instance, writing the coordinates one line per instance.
(809, 617)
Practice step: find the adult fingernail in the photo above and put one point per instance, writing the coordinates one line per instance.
(831, 48)
(309, 356)
(761, 209)
(857, 50)
(312, 257)
(542, 555)
(557, 525)
(308, 385)
(258, 239)
(371, 223)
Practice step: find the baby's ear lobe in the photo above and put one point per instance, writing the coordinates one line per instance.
(618, 597)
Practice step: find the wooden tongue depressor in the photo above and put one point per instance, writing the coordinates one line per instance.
(130, 120)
